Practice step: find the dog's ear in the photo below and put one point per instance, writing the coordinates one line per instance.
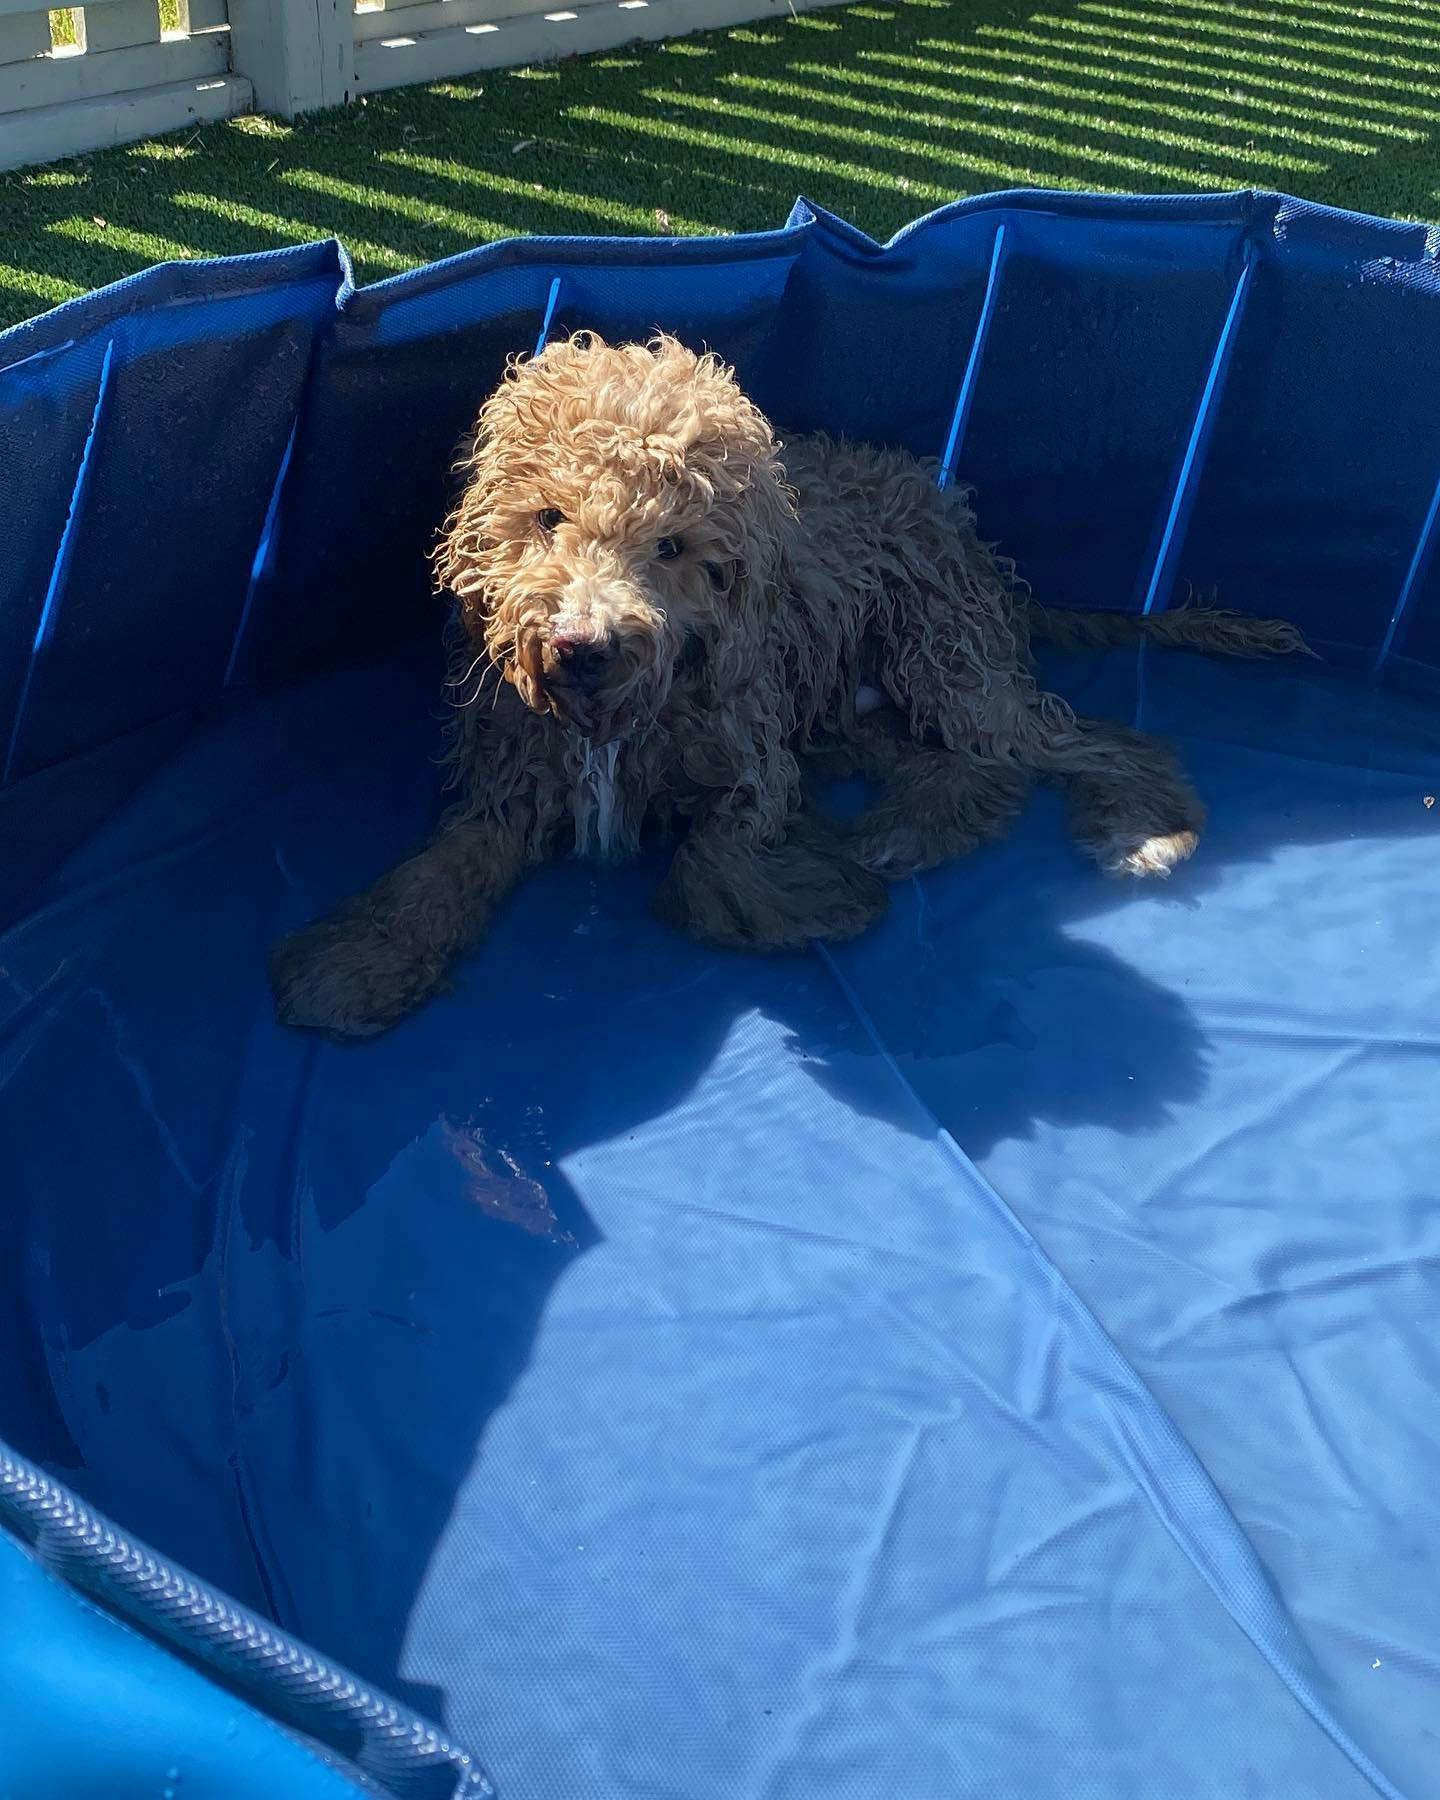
(751, 581)
(456, 558)
(505, 431)
(464, 537)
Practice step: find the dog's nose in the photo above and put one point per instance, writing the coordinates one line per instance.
(581, 658)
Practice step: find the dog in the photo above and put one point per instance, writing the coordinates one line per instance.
(664, 629)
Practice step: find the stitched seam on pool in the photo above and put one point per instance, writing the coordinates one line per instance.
(261, 562)
(1192, 463)
(266, 556)
(964, 400)
(244, 1502)
(60, 567)
(1144, 1453)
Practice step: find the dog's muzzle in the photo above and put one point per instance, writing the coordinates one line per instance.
(577, 664)
(574, 672)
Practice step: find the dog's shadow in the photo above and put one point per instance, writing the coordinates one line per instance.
(450, 1157)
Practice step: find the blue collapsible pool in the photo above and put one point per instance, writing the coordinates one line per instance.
(999, 1357)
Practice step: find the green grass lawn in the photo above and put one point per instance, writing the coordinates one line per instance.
(879, 111)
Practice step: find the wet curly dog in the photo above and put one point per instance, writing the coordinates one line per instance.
(662, 627)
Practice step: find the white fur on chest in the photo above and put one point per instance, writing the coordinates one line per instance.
(597, 803)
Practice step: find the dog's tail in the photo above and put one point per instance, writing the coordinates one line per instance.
(1202, 628)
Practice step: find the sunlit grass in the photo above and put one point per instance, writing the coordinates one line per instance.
(470, 227)
(878, 111)
(1399, 46)
(67, 27)
(998, 89)
(30, 290)
(930, 150)
(728, 143)
(1394, 11)
(1244, 52)
(145, 246)
(1250, 82)
(606, 213)
(1026, 68)
(274, 229)
(1352, 19)
(987, 108)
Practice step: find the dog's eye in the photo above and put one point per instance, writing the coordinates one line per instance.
(550, 518)
(669, 548)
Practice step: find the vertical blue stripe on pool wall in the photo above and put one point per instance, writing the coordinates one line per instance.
(1414, 575)
(551, 303)
(963, 399)
(1162, 575)
(264, 559)
(60, 568)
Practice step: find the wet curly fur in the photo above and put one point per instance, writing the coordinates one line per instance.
(662, 629)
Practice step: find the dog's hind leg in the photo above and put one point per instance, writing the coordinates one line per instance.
(933, 805)
(1131, 807)
(944, 638)
(388, 950)
(726, 888)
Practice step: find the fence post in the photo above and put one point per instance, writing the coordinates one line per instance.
(299, 55)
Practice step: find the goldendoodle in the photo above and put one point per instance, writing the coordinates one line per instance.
(675, 625)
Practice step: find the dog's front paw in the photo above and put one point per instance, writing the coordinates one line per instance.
(1152, 856)
(349, 978)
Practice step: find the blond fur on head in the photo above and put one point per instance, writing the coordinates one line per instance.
(658, 620)
(635, 448)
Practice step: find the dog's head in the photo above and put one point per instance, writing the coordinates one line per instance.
(621, 528)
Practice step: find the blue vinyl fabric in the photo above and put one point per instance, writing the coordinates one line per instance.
(996, 1357)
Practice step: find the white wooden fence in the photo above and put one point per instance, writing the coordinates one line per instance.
(118, 77)
(117, 71)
